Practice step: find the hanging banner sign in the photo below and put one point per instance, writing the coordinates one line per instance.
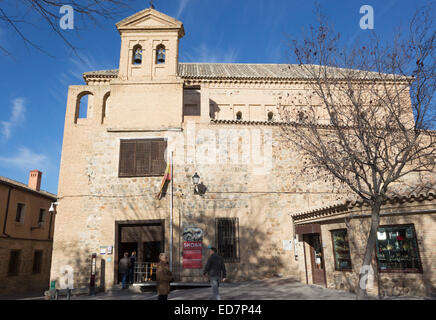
(192, 254)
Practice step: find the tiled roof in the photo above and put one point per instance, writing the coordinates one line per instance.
(7, 181)
(264, 123)
(347, 205)
(245, 71)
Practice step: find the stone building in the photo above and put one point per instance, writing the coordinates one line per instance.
(26, 240)
(215, 123)
(333, 241)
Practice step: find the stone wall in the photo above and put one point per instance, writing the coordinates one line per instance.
(25, 281)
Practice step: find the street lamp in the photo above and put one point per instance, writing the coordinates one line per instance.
(196, 180)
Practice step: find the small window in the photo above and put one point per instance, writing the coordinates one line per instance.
(41, 217)
(192, 110)
(227, 231)
(160, 54)
(397, 249)
(37, 261)
(239, 115)
(137, 55)
(341, 250)
(141, 158)
(19, 218)
(301, 116)
(14, 262)
(270, 116)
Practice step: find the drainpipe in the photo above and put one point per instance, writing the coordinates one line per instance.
(171, 214)
(6, 212)
(49, 227)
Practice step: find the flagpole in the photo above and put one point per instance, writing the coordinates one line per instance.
(171, 214)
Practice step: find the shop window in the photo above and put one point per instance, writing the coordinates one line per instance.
(397, 249)
(14, 262)
(19, 217)
(37, 261)
(341, 250)
(227, 238)
(141, 158)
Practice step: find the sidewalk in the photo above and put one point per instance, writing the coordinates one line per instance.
(271, 289)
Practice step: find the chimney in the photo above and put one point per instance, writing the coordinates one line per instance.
(35, 179)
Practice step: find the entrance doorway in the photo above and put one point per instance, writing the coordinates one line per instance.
(144, 237)
(151, 250)
(316, 258)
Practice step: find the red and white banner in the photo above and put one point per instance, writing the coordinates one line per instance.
(192, 254)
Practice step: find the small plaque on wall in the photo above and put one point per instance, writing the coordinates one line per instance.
(287, 245)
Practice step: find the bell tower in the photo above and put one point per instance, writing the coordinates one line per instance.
(147, 94)
(149, 46)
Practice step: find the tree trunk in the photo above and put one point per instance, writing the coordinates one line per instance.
(369, 250)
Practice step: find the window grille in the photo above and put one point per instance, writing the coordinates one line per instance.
(227, 238)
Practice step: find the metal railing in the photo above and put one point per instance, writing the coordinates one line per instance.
(144, 272)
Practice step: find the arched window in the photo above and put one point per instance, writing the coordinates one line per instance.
(160, 54)
(137, 54)
(270, 116)
(239, 115)
(105, 105)
(84, 104)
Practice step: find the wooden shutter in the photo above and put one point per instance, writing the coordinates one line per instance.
(142, 157)
(127, 159)
(158, 161)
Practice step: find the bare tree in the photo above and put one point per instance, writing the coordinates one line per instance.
(19, 15)
(366, 116)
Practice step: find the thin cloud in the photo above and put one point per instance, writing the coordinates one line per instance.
(203, 53)
(25, 159)
(17, 117)
(182, 6)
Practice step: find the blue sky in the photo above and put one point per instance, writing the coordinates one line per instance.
(34, 85)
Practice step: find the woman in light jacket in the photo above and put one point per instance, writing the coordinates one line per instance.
(163, 277)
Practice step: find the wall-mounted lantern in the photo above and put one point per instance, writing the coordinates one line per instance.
(195, 181)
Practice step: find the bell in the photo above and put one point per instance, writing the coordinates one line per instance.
(138, 57)
(161, 56)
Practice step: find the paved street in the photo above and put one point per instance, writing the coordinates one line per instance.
(271, 289)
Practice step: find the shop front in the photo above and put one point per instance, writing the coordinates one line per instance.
(334, 241)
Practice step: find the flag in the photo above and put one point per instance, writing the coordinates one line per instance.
(167, 177)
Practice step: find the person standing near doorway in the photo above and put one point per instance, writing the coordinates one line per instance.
(163, 277)
(123, 268)
(215, 269)
(132, 266)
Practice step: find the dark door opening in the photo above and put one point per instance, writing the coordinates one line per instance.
(146, 237)
(316, 258)
(151, 251)
(128, 247)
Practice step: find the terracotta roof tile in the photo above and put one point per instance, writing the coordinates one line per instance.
(245, 71)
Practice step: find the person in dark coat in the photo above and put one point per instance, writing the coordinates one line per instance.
(123, 268)
(163, 278)
(132, 266)
(215, 269)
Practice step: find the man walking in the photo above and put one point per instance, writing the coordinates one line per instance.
(123, 268)
(215, 269)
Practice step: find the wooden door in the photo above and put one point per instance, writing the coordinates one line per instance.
(317, 259)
